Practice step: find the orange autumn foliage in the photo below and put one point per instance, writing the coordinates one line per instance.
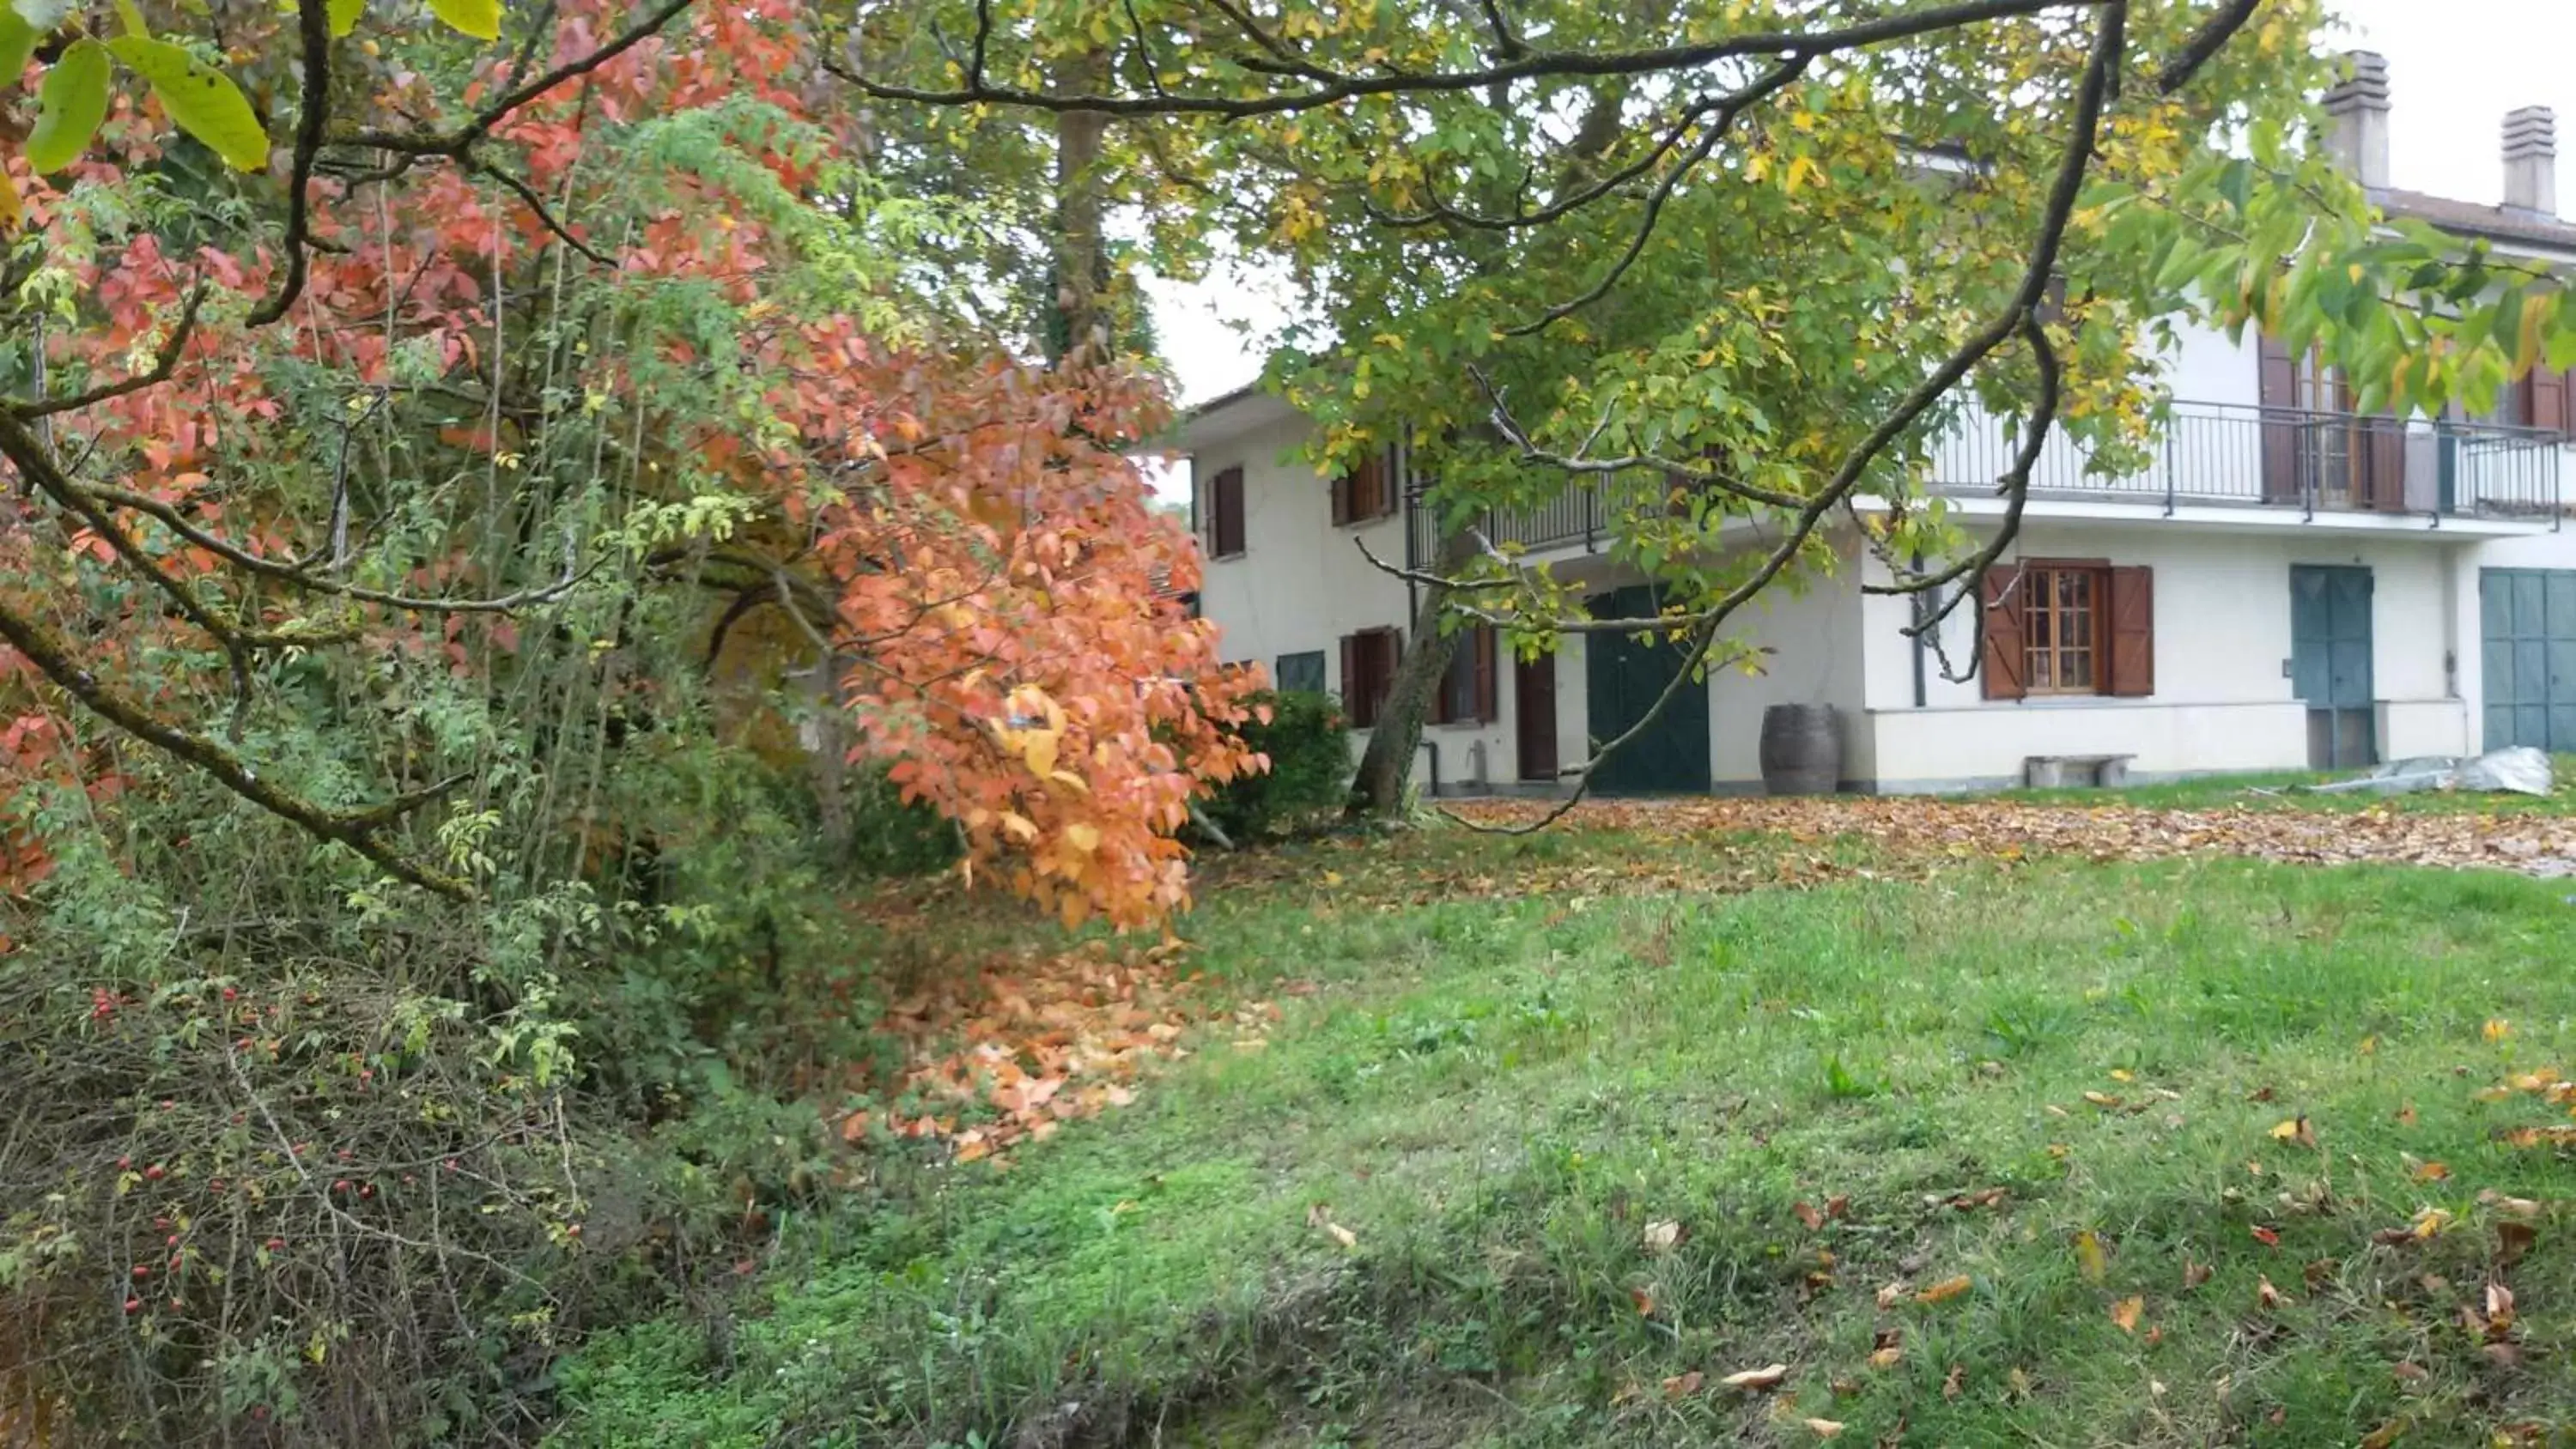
(1002, 600)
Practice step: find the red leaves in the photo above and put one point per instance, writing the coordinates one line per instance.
(1047, 1042)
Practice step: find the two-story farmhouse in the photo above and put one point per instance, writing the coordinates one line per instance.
(2290, 584)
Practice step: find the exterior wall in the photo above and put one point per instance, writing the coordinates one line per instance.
(1301, 584)
(2223, 698)
(1817, 659)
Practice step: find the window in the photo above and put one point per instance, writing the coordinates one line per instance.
(1300, 672)
(2059, 610)
(2068, 627)
(1225, 514)
(1467, 690)
(1366, 492)
(1368, 668)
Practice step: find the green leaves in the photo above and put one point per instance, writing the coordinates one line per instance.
(344, 16)
(70, 107)
(17, 42)
(201, 99)
(478, 18)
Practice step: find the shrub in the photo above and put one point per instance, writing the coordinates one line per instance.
(1308, 742)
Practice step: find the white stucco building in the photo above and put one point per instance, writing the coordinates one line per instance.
(2288, 584)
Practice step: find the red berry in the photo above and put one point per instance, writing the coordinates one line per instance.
(155, 1173)
(142, 1271)
(230, 993)
(133, 1303)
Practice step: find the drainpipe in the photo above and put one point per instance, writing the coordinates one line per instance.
(1922, 614)
(1434, 747)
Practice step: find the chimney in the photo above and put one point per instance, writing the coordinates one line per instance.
(2358, 108)
(2531, 161)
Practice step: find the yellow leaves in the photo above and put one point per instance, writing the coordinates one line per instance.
(1758, 1380)
(1823, 1428)
(2496, 1029)
(2125, 1313)
(2295, 1130)
(1038, 748)
(1801, 171)
(10, 206)
(2422, 1171)
(1082, 836)
(2089, 1257)
(1018, 827)
(2430, 1222)
(1945, 1290)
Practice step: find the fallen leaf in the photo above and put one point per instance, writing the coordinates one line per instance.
(2125, 1313)
(2553, 1136)
(2520, 1207)
(2428, 1171)
(1754, 1381)
(2409, 1372)
(1807, 1214)
(1662, 1236)
(1824, 1428)
(2502, 1355)
(2267, 1295)
(2319, 1273)
(2102, 1099)
(2430, 1222)
(1644, 1300)
(1946, 1289)
(2089, 1256)
(2259, 1094)
(2512, 1241)
(2194, 1274)
(2119, 1074)
(1838, 1206)
(1887, 1357)
(1953, 1381)
(1984, 1197)
(2017, 1383)
(1891, 1294)
(2499, 1309)
(2385, 1435)
(1342, 1235)
(2370, 1046)
(2295, 1129)
(1318, 1214)
(2406, 1115)
(2496, 1029)
(2266, 1236)
(1682, 1386)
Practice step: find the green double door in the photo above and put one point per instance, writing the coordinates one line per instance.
(1623, 677)
(2527, 630)
(2330, 646)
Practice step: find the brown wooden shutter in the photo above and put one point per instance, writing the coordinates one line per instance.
(1229, 513)
(2000, 633)
(2278, 379)
(1390, 485)
(1487, 710)
(1447, 689)
(2548, 399)
(1353, 696)
(1341, 500)
(2133, 632)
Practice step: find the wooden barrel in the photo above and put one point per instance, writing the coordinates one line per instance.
(1802, 749)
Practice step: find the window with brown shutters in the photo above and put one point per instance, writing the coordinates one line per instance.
(1366, 492)
(2068, 627)
(2542, 398)
(1369, 658)
(1467, 692)
(1225, 514)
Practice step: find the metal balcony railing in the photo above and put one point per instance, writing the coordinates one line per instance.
(2207, 453)
(2287, 458)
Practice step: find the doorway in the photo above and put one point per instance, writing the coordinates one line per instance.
(2330, 648)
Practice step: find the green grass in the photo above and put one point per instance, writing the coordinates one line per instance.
(1496, 1097)
(2277, 790)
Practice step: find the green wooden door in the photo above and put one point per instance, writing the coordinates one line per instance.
(2527, 626)
(2330, 646)
(1622, 678)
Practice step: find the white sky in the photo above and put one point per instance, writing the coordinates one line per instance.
(2454, 68)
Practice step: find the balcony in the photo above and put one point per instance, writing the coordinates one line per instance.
(2282, 458)
(2220, 454)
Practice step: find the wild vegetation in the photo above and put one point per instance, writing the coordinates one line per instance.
(519, 518)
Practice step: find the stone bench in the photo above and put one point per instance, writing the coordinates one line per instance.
(2055, 772)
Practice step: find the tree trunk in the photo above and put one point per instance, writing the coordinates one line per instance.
(1387, 764)
(1078, 329)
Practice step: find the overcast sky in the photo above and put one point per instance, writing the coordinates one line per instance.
(2454, 68)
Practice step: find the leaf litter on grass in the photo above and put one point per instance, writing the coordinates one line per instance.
(1016, 1049)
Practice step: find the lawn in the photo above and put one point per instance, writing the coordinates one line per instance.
(1977, 1149)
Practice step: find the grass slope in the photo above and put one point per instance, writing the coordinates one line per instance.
(1498, 1102)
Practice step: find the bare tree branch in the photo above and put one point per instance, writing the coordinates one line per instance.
(164, 363)
(313, 29)
(1393, 81)
(2209, 40)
